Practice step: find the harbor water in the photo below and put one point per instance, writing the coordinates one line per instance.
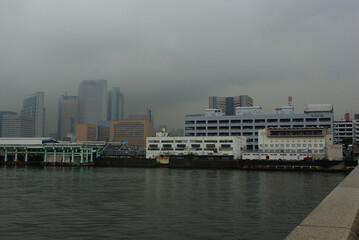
(156, 203)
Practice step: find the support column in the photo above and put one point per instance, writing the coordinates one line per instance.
(91, 156)
(26, 155)
(72, 156)
(5, 155)
(45, 156)
(82, 155)
(87, 155)
(55, 155)
(15, 154)
(63, 155)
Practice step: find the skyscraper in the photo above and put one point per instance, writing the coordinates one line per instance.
(68, 115)
(34, 107)
(4, 113)
(116, 104)
(93, 101)
(14, 125)
(229, 104)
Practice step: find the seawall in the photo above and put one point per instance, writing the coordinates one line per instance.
(336, 217)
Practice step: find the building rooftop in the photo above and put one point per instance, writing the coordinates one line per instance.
(310, 108)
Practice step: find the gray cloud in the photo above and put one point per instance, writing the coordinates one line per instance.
(171, 55)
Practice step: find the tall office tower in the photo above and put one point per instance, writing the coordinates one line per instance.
(93, 101)
(229, 104)
(3, 113)
(14, 125)
(34, 107)
(115, 104)
(68, 116)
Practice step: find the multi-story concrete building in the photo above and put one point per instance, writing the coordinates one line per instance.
(295, 144)
(342, 129)
(68, 116)
(229, 104)
(103, 131)
(356, 128)
(164, 145)
(34, 107)
(2, 113)
(131, 131)
(14, 125)
(86, 132)
(93, 101)
(116, 104)
(249, 123)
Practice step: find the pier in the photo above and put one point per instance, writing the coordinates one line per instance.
(47, 152)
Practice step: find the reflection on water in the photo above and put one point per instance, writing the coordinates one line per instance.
(128, 203)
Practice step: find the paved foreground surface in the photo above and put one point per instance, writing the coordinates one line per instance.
(336, 217)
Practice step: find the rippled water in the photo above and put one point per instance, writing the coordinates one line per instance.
(128, 203)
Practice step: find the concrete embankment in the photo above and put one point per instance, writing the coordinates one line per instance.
(336, 217)
(225, 163)
(124, 162)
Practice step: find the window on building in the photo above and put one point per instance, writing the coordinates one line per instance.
(260, 121)
(284, 120)
(223, 121)
(247, 121)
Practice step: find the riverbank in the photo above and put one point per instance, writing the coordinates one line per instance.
(229, 163)
(205, 163)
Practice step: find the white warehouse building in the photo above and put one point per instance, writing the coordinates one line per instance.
(296, 144)
(164, 145)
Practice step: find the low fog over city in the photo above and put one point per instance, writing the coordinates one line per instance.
(170, 56)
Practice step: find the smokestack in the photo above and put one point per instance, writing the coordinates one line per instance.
(290, 100)
(347, 117)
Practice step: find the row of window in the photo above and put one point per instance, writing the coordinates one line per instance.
(275, 120)
(298, 145)
(169, 146)
(215, 128)
(191, 149)
(279, 152)
(191, 141)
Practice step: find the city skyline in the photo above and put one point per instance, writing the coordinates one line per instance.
(171, 64)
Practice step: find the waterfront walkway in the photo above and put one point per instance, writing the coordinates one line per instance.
(336, 217)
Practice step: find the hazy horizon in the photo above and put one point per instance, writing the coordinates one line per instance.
(170, 56)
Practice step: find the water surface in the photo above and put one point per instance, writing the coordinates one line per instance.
(139, 203)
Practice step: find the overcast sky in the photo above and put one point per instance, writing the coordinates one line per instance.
(171, 55)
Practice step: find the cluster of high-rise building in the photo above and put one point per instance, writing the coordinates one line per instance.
(29, 123)
(96, 114)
